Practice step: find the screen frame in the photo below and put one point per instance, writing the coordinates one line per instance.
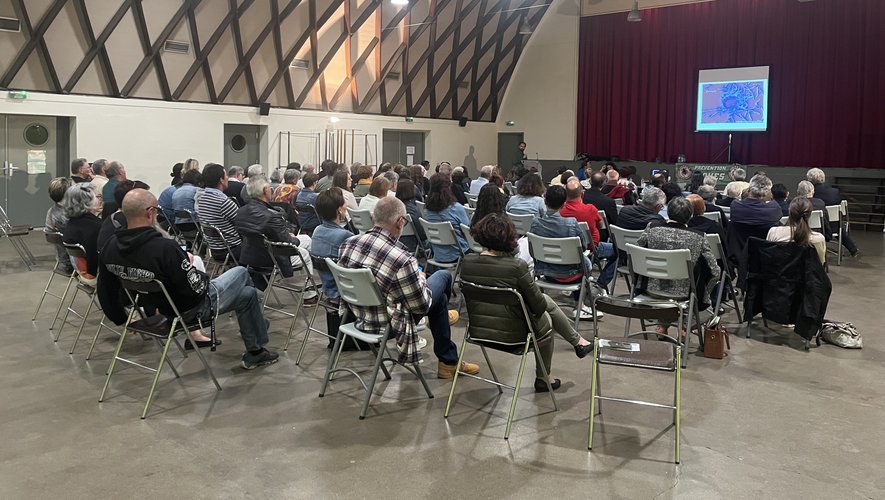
(736, 69)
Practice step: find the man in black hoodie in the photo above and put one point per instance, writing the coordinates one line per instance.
(141, 251)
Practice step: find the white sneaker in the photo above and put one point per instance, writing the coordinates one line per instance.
(422, 343)
(587, 313)
(422, 324)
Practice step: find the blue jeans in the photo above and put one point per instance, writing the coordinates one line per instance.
(605, 250)
(440, 284)
(234, 291)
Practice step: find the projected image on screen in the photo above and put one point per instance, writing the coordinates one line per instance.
(734, 99)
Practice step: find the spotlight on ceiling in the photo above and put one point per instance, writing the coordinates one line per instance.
(399, 2)
(634, 16)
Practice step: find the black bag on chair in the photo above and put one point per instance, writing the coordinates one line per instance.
(333, 321)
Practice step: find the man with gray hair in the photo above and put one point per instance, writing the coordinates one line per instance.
(393, 177)
(644, 213)
(734, 188)
(408, 292)
(307, 169)
(257, 220)
(806, 190)
(708, 194)
(831, 196)
(116, 173)
(757, 209)
(444, 168)
(235, 184)
(485, 173)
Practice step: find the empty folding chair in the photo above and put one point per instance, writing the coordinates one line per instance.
(667, 265)
(442, 234)
(16, 234)
(664, 354)
(504, 297)
(620, 238)
(54, 238)
(834, 214)
(358, 288)
(565, 252)
(163, 330)
(523, 222)
(361, 220)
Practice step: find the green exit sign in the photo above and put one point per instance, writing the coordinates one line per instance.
(18, 94)
(510, 123)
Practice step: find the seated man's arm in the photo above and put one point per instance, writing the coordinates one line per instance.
(108, 289)
(277, 229)
(411, 288)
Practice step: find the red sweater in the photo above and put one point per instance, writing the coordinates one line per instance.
(583, 213)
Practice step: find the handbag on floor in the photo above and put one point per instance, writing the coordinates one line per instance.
(715, 339)
(844, 335)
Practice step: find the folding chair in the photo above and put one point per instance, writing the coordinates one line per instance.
(663, 354)
(420, 205)
(319, 265)
(470, 211)
(295, 285)
(55, 239)
(287, 209)
(605, 225)
(359, 289)
(160, 329)
(192, 236)
(474, 245)
(471, 200)
(727, 212)
(726, 277)
(714, 216)
(667, 265)
(16, 233)
(523, 222)
(305, 208)
(834, 213)
(562, 251)
(218, 265)
(620, 238)
(510, 298)
(361, 220)
(168, 225)
(442, 234)
(410, 230)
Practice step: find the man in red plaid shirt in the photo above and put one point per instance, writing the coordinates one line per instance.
(409, 294)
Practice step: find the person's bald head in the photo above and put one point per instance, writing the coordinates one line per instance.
(139, 208)
(613, 176)
(573, 188)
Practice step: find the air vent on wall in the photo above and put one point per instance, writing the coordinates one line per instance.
(393, 75)
(9, 24)
(299, 64)
(176, 47)
(463, 85)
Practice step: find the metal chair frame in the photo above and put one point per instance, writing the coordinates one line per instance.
(835, 213)
(619, 306)
(725, 276)
(319, 265)
(286, 250)
(502, 296)
(134, 289)
(620, 238)
(54, 238)
(77, 251)
(305, 207)
(15, 234)
(196, 237)
(229, 257)
(358, 288)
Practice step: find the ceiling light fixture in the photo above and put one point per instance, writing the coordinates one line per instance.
(399, 2)
(634, 16)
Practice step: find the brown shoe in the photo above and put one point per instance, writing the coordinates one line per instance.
(445, 371)
(311, 301)
(453, 316)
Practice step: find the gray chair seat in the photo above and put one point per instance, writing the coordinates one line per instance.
(652, 354)
(369, 338)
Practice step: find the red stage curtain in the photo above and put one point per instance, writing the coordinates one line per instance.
(637, 82)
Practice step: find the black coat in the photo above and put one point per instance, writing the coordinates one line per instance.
(787, 284)
(594, 196)
(638, 217)
(84, 230)
(255, 221)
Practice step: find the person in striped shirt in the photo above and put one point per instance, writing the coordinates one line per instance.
(216, 209)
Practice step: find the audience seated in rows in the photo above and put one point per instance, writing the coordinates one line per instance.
(99, 179)
(258, 220)
(529, 197)
(81, 171)
(496, 266)
(328, 236)
(458, 181)
(798, 231)
(115, 173)
(165, 199)
(117, 220)
(377, 190)
(363, 181)
(421, 182)
(595, 197)
(485, 173)
(393, 178)
(235, 185)
(405, 192)
(184, 198)
(341, 180)
(779, 195)
(700, 223)
(441, 206)
(490, 201)
(709, 193)
(286, 192)
(756, 209)
(806, 190)
(409, 293)
(327, 170)
(140, 250)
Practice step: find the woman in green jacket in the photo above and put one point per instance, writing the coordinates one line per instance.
(496, 267)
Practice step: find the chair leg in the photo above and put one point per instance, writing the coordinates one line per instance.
(455, 378)
(150, 397)
(371, 387)
(516, 391)
(83, 323)
(306, 332)
(45, 292)
(678, 406)
(61, 303)
(64, 319)
(107, 380)
(95, 338)
(491, 369)
(593, 393)
(420, 375)
(203, 361)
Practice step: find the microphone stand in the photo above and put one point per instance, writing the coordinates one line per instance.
(726, 148)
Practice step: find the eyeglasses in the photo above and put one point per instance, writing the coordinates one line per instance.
(154, 208)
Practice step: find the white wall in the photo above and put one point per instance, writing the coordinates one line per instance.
(151, 136)
(542, 95)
